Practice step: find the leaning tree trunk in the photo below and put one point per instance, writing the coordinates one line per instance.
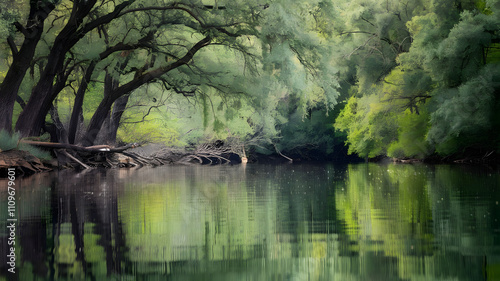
(97, 120)
(118, 109)
(32, 117)
(113, 121)
(105, 105)
(80, 95)
(105, 133)
(9, 89)
(21, 61)
(77, 106)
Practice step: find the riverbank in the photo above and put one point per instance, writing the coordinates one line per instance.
(24, 162)
(65, 156)
(472, 156)
(133, 155)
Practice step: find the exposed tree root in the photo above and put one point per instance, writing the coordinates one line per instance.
(105, 156)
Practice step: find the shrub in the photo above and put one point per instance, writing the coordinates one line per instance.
(8, 142)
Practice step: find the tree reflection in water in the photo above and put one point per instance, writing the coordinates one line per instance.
(259, 222)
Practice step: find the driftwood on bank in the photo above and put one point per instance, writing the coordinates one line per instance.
(73, 156)
(95, 148)
(81, 157)
(76, 156)
(207, 153)
(75, 159)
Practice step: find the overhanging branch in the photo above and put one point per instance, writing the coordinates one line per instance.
(174, 6)
(153, 74)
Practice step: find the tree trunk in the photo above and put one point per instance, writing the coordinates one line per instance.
(9, 89)
(118, 109)
(110, 84)
(32, 117)
(76, 114)
(104, 107)
(61, 133)
(21, 62)
(97, 120)
(113, 121)
(77, 107)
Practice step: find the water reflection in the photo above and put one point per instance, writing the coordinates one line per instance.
(259, 222)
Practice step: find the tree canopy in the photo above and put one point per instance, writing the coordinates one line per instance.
(404, 79)
(436, 92)
(220, 56)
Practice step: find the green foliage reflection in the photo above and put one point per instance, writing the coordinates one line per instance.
(300, 222)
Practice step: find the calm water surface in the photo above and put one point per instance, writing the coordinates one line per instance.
(257, 222)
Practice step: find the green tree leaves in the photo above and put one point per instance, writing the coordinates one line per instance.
(439, 92)
(415, 75)
(463, 115)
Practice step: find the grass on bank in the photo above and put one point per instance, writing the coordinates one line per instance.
(8, 142)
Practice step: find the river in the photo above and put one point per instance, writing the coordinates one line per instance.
(256, 222)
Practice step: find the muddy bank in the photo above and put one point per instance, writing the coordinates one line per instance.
(24, 163)
(103, 156)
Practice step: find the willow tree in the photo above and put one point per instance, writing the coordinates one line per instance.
(370, 37)
(465, 94)
(71, 22)
(174, 34)
(440, 94)
(130, 44)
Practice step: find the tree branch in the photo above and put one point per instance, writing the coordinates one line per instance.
(174, 6)
(391, 83)
(20, 101)
(104, 19)
(363, 18)
(153, 74)
(357, 31)
(21, 28)
(12, 46)
(95, 148)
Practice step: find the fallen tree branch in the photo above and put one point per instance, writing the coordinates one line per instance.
(281, 154)
(108, 156)
(95, 148)
(75, 159)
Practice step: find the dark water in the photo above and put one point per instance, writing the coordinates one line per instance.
(259, 222)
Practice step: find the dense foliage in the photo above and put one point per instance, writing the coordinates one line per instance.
(425, 78)
(404, 79)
